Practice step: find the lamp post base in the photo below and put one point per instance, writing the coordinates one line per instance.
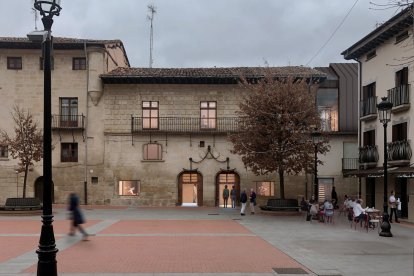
(385, 226)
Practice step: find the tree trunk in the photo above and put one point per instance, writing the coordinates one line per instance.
(26, 169)
(282, 184)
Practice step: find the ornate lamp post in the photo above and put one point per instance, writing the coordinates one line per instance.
(47, 246)
(384, 109)
(316, 136)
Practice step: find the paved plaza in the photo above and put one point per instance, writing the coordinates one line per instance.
(205, 241)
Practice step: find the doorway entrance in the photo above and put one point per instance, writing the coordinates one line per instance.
(401, 193)
(38, 189)
(190, 189)
(229, 178)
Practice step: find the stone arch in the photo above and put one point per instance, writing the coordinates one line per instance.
(185, 195)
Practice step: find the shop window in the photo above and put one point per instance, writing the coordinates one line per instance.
(129, 187)
(265, 188)
(152, 151)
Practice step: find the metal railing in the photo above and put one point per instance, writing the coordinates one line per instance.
(184, 124)
(350, 164)
(399, 150)
(368, 154)
(68, 122)
(399, 95)
(368, 106)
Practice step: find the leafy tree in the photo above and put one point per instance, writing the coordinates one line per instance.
(276, 118)
(27, 144)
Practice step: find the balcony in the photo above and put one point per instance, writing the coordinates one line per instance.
(399, 153)
(368, 109)
(68, 122)
(183, 125)
(349, 164)
(368, 156)
(400, 97)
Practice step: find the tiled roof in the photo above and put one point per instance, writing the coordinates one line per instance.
(213, 73)
(58, 42)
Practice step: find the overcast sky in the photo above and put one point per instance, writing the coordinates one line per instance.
(207, 33)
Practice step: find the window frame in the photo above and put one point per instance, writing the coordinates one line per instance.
(210, 122)
(13, 65)
(71, 118)
(145, 151)
(4, 151)
(73, 157)
(78, 63)
(272, 187)
(153, 106)
(400, 132)
(121, 187)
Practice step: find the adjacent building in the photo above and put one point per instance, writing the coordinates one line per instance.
(385, 58)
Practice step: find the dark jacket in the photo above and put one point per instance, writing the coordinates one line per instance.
(253, 197)
(74, 208)
(243, 197)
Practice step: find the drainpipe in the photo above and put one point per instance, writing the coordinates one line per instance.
(359, 121)
(85, 183)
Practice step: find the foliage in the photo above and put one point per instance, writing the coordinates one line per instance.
(27, 143)
(276, 119)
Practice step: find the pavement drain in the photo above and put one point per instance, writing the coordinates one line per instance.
(289, 270)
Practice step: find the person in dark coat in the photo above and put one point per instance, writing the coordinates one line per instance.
(76, 216)
(233, 196)
(252, 201)
(334, 197)
(243, 200)
(226, 194)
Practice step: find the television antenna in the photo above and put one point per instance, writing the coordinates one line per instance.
(152, 10)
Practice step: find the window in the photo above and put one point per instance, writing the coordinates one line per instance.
(68, 112)
(401, 36)
(265, 188)
(371, 55)
(401, 77)
(150, 115)
(79, 63)
(208, 114)
(399, 132)
(41, 63)
(4, 153)
(129, 188)
(94, 180)
(14, 63)
(369, 138)
(69, 152)
(327, 101)
(152, 151)
(325, 188)
(368, 91)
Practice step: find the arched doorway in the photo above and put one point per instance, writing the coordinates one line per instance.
(190, 188)
(229, 178)
(38, 189)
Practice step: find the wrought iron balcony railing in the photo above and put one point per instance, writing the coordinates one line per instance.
(399, 150)
(68, 122)
(399, 95)
(368, 154)
(350, 164)
(368, 106)
(184, 124)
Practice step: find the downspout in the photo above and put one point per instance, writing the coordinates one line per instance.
(359, 121)
(85, 183)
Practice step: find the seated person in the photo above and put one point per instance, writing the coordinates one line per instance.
(359, 212)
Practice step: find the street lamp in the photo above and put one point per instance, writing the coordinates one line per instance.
(384, 108)
(47, 246)
(316, 136)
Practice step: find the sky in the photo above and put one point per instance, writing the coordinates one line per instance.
(208, 33)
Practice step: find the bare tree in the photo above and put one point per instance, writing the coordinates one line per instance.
(276, 119)
(27, 143)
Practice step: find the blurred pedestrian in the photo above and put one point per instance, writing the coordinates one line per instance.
(76, 217)
(393, 206)
(226, 194)
(252, 201)
(243, 200)
(334, 198)
(233, 196)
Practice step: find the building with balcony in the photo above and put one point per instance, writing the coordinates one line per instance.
(157, 137)
(385, 58)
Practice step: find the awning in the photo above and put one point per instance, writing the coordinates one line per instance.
(403, 172)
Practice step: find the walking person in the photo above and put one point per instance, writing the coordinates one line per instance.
(233, 197)
(225, 195)
(252, 201)
(76, 216)
(393, 206)
(243, 200)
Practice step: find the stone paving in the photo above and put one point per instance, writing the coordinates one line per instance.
(205, 241)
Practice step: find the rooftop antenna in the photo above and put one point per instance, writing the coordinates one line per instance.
(35, 17)
(152, 10)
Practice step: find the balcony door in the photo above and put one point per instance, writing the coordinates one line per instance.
(68, 112)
